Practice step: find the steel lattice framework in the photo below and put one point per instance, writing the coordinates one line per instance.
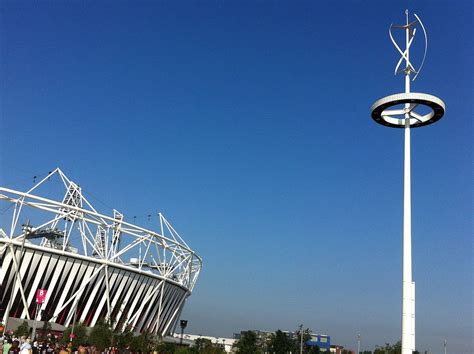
(93, 266)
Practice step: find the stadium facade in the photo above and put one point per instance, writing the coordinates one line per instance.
(92, 266)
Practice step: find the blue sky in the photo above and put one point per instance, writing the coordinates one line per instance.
(248, 125)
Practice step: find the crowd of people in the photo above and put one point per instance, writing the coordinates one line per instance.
(24, 345)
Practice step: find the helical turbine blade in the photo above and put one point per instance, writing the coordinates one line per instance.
(399, 50)
(405, 53)
(426, 45)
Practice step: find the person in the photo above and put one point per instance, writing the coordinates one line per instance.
(35, 347)
(126, 350)
(25, 347)
(42, 347)
(6, 345)
(50, 348)
(82, 349)
(15, 347)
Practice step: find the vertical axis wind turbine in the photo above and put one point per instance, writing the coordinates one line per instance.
(386, 112)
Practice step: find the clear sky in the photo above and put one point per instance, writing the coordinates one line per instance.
(248, 125)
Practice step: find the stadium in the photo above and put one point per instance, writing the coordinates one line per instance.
(91, 266)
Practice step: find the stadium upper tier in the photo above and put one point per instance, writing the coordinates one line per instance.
(92, 266)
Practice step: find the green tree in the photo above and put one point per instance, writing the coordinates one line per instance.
(247, 344)
(122, 339)
(22, 330)
(44, 331)
(80, 334)
(146, 342)
(280, 343)
(389, 349)
(314, 349)
(205, 346)
(297, 342)
(101, 335)
(168, 348)
(202, 343)
(185, 350)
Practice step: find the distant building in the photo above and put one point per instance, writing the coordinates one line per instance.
(263, 337)
(323, 341)
(225, 343)
(337, 349)
(260, 334)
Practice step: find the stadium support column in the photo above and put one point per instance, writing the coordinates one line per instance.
(107, 289)
(17, 265)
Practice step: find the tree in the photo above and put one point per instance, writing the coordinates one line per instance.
(80, 334)
(138, 344)
(145, 342)
(101, 335)
(314, 349)
(389, 349)
(44, 331)
(185, 350)
(247, 344)
(122, 339)
(280, 343)
(205, 346)
(160, 347)
(22, 330)
(306, 337)
(397, 347)
(201, 343)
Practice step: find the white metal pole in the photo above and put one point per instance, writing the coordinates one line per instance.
(35, 323)
(358, 344)
(71, 336)
(408, 329)
(107, 295)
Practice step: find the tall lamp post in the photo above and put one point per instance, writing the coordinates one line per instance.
(385, 112)
(358, 343)
(182, 324)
